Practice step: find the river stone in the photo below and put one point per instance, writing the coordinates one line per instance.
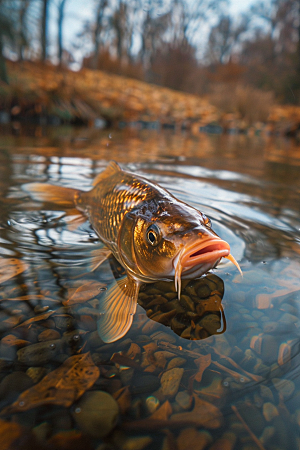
(40, 353)
(144, 384)
(211, 323)
(191, 438)
(270, 411)
(96, 414)
(176, 362)
(267, 434)
(170, 381)
(184, 400)
(36, 373)
(285, 387)
(288, 319)
(13, 384)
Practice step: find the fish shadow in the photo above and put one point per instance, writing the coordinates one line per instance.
(198, 314)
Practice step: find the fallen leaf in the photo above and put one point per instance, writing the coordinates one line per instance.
(203, 414)
(36, 318)
(12, 341)
(61, 387)
(202, 363)
(10, 267)
(163, 412)
(123, 398)
(83, 293)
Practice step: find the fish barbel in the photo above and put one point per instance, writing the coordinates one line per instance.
(153, 235)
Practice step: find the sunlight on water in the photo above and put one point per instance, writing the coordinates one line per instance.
(221, 363)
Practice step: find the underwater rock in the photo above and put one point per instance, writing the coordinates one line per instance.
(143, 384)
(96, 413)
(211, 323)
(170, 381)
(225, 442)
(36, 373)
(40, 353)
(191, 438)
(152, 403)
(285, 387)
(269, 411)
(12, 385)
(203, 414)
(184, 400)
(176, 362)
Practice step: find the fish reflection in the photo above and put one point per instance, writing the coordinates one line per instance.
(153, 235)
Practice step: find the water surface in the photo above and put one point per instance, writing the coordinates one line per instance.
(232, 370)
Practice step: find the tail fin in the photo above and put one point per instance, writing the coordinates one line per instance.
(49, 193)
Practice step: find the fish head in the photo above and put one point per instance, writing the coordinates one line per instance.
(169, 240)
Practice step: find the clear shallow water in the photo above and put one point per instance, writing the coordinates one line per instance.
(250, 388)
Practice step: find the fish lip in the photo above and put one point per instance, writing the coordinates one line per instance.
(211, 250)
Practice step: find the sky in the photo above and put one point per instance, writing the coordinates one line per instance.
(79, 11)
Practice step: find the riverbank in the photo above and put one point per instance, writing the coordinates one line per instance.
(46, 94)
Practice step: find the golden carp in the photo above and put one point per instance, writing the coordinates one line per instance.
(153, 235)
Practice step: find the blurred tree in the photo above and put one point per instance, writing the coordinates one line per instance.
(100, 6)
(22, 29)
(44, 28)
(224, 38)
(7, 35)
(61, 9)
(271, 54)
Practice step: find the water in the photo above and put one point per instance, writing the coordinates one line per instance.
(232, 356)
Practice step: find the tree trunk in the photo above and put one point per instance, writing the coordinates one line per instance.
(44, 30)
(98, 28)
(60, 29)
(3, 72)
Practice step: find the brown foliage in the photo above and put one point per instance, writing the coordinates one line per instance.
(61, 387)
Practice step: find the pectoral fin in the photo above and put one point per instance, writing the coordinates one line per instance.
(117, 307)
(98, 256)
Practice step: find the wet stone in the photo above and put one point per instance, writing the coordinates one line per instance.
(252, 416)
(12, 385)
(184, 400)
(288, 319)
(267, 434)
(269, 411)
(39, 354)
(143, 384)
(96, 414)
(191, 438)
(170, 381)
(36, 373)
(285, 387)
(211, 323)
(176, 362)
(202, 290)
(187, 303)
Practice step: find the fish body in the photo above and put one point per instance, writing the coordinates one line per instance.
(153, 235)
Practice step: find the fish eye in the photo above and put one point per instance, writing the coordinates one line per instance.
(207, 221)
(153, 235)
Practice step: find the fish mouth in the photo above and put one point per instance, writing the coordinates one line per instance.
(204, 252)
(207, 253)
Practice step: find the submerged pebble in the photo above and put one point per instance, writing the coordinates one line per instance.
(96, 413)
(170, 381)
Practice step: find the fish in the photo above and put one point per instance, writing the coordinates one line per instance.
(150, 232)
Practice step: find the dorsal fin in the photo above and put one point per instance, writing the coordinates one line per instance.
(111, 169)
